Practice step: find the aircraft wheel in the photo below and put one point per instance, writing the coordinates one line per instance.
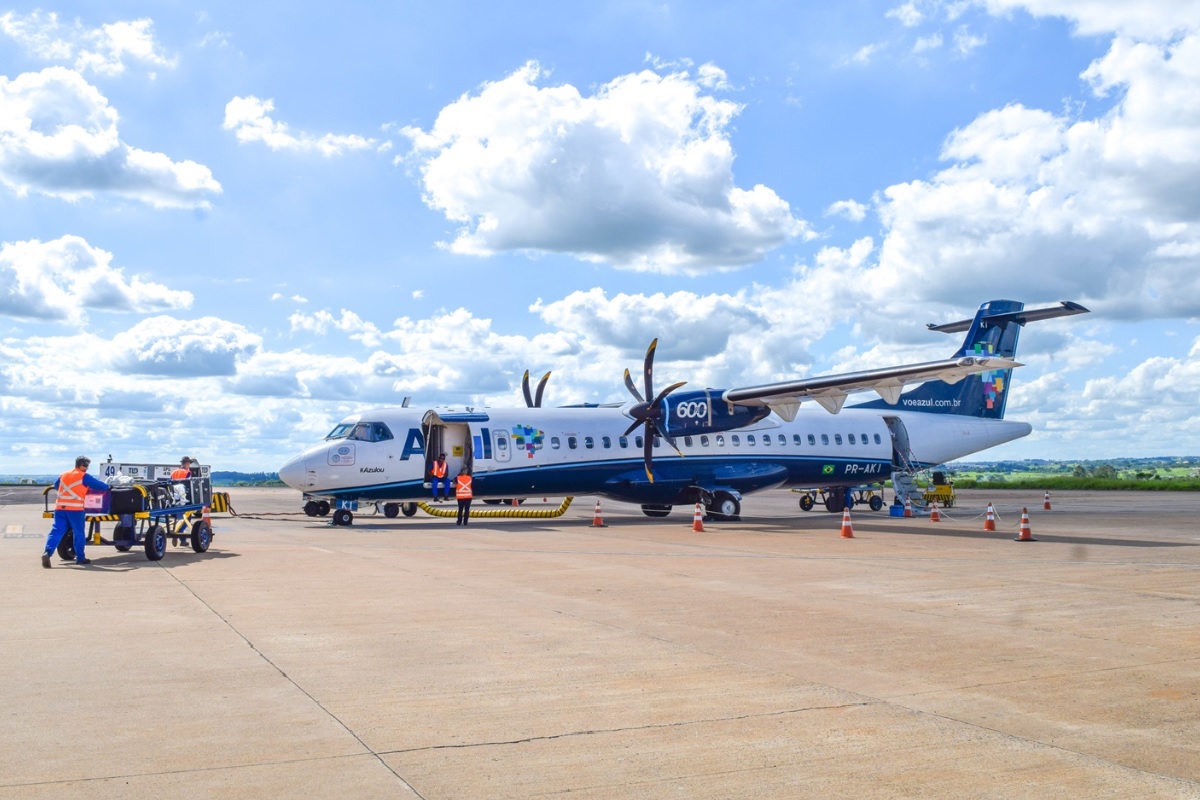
(835, 503)
(66, 546)
(806, 502)
(312, 508)
(156, 542)
(408, 509)
(656, 511)
(322, 508)
(391, 510)
(342, 517)
(201, 536)
(876, 502)
(123, 538)
(725, 507)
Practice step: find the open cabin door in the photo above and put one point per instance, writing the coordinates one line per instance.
(449, 432)
(901, 450)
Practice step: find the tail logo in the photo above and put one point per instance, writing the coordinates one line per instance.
(993, 380)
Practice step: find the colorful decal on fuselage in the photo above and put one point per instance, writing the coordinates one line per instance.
(528, 438)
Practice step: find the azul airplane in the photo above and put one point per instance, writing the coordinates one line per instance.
(674, 447)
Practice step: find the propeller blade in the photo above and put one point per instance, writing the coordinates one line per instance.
(671, 441)
(632, 427)
(648, 368)
(647, 447)
(658, 400)
(632, 389)
(525, 389)
(537, 400)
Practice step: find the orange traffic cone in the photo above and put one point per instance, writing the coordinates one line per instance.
(908, 512)
(1046, 502)
(934, 516)
(597, 522)
(989, 524)
(847, 525)
(698, 520)
(1025, 535)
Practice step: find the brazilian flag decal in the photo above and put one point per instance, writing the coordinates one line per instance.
(827, 469)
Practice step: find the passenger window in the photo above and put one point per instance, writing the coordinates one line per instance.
(606, 441)
(721, 440)
(555, 443)
(812, 439)
(852, 439)
(864, 438)
(796, 440)
(687, 440)
(767, 440)
(735, 440)
(837, 438)
(623, 441)
(877, 439)
(639, 442)
(657, 440)
(704, 440)
(520, 441)
(782, 440)
(750, 439)
(502, 443)
(589, 442)
(824, 438)
(572, 442)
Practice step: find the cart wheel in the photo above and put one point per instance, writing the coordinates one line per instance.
(876, 502)
(201, 536)
(408, 509)
(806, 502)
(342, 517)
(156, 542)
(123, 538)
(66, 546)
(391, 510)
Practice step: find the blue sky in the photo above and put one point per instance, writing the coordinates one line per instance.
(225, 226)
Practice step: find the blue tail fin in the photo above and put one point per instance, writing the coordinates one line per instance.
(993, 332)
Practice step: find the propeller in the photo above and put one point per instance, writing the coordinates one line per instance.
(647, 413)
(533, 401)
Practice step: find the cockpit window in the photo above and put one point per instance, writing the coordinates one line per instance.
(361, 431)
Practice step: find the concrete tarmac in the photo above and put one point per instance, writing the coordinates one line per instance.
(548, 658)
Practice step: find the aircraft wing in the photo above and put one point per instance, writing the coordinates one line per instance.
(831, 390)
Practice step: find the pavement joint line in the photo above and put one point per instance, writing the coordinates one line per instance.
(630, 728)
(214, 768)
(293, 682)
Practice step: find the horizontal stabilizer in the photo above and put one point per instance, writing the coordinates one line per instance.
(1065, 308)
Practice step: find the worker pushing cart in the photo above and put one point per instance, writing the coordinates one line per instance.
(150, 503)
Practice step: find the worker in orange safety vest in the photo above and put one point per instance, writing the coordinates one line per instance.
(182, 473)
(441, 474)
(72, 487)
(464, 492)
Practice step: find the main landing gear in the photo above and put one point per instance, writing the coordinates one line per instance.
(720, 507)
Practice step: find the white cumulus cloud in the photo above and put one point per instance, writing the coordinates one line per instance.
(103, 50)
(168, 346)
(60, 279)
(250, 120)
(638, 174)
(59, 137)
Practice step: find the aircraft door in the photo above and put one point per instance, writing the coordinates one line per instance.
(901, 450)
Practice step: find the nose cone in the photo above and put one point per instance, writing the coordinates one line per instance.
(294, 474)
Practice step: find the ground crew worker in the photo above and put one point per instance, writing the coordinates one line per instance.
(72, 487)
(464, 492)
(181, 473)
(441, 474)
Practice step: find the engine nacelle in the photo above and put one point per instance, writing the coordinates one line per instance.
(703, 411)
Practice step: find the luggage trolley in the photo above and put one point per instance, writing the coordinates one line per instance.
(148, 508)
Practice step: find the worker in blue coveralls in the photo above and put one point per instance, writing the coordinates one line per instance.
(72, 487)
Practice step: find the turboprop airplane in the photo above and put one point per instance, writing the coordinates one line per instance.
(709, 446)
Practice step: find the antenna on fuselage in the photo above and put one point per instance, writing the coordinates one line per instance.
(407, 400)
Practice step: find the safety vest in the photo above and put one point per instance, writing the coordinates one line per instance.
(462, 488)
(179, 473)
(71, 491)
(439, 469)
